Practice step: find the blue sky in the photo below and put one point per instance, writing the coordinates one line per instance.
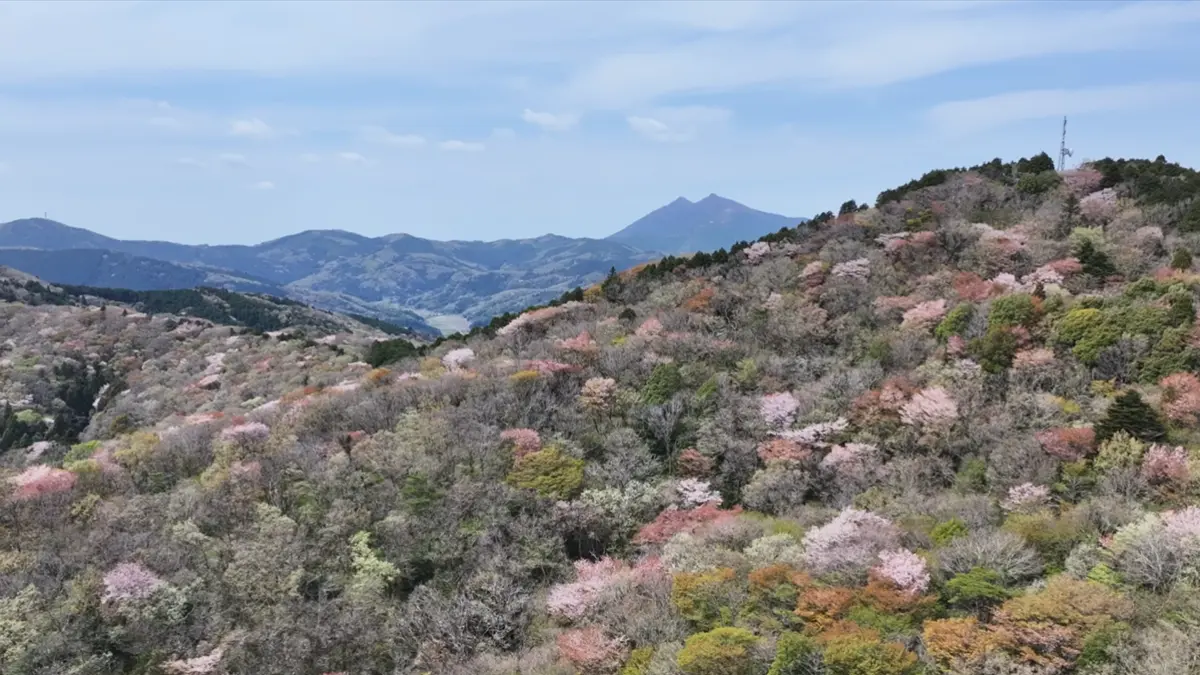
(240, 122)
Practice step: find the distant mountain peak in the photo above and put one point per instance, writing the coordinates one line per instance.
(711, 223)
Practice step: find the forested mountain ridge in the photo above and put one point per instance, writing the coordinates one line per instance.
(952, 433)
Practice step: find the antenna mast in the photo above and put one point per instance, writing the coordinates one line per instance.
(1063, 151)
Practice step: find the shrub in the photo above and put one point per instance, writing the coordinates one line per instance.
(704, 598)
(1163, 465)
(1017, 309)
(1181, 398)
(1052, 536)
(948, 530)
(957, 643)
(1181, 259)
(590, 650)
(1069, 444)
(862, 652)
(721, 651)
(1004, 552)
(796, 654)
(955, 322)
(548, 472)
(1050, 627)
(1121, 451)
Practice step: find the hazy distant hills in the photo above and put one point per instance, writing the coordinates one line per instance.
(398, 277)
(713, 222)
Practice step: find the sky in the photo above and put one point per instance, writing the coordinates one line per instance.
(240, 122)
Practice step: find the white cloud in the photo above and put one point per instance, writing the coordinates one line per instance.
(352, 158)
(461, 146)
(233, 159)
(551, 121)
(981, 114)
(263, 185)
(676, 125)
(251, 128)
(385, 137)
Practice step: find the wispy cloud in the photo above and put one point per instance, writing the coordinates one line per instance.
(461, 146)
(263, 185)
(551, 121)
(676, 125)
(385, 137)
(352, 158)
(989, 112)
(251, 128)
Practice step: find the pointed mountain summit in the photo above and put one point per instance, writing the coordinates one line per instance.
(714, 222)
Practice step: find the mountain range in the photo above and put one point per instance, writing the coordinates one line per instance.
(422, 284)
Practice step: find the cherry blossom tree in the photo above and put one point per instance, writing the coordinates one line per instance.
(591, 651)
(525, 441)
(458, 359)
(757, 251)
(1163, 465)
(905, 569)
(597, 393)
(1069, 444)
(1026, 497)
(925, 314)
(693, 493)
(41, 479)
(859, 268)
(130, 581)
(778, 410)
(930, 408)
(650, 328)
(1181, 398)
(850, 543)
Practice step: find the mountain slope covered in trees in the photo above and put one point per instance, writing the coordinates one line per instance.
(956, 432)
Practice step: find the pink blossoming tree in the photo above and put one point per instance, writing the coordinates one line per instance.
(41, 480)
(849, 544)
(905, 569)
(778, 410)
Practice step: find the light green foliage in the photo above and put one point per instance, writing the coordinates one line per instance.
(21, 619)
(638, 662)
(371, 574)
(972, 476)
(705, 599)
(947, 530)
(721, 651)
(1122, 451)
(1101, 573)
(795, 654)
(863, 653)
(264, 568)
(80, 451)
(773, 549)
(665, 380)
(955, 322)
(976, 590)
(548, 472)
(28, 416)
(747, 373)
(1052, 535)
(1017, 309)
(1038, 183)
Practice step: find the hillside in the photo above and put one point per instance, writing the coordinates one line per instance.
(396, 277)
(957, 432)
(707, 225)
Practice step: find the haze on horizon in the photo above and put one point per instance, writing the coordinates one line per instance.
(243, 122)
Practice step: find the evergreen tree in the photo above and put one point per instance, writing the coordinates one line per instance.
(1182, 259)
(1129, 413)
(1095, 262)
